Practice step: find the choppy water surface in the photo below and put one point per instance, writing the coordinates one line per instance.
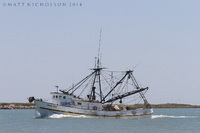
(163, 121)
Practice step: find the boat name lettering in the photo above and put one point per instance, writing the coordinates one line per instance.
(51, 105)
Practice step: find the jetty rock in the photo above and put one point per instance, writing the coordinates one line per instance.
(16, 106)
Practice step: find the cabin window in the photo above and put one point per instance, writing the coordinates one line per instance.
(60, 96)
(79, 103)
(56, 96)
(64, 97)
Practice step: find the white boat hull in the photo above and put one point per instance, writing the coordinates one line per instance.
(46, 109)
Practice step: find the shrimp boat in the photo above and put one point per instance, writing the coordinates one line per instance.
(102, 93)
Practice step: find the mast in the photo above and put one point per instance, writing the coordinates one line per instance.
(92, 94)
(98, 66)
(97, 76)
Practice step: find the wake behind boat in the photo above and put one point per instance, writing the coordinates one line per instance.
(100, 94)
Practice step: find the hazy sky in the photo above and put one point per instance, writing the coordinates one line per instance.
(43, 46)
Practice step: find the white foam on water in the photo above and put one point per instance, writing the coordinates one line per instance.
(58, 116)
(50, 115)
(37, 114)
(167, 116)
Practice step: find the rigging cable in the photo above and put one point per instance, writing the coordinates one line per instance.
(86, 85)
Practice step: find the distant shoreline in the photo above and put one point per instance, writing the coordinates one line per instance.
(174, 105)
(33, 106)
(17, 106)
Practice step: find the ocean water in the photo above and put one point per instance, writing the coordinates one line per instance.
(163, 121)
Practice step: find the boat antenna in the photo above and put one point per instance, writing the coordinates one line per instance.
(136, 65)
(57, 88)
(99, 48)
(95, 64)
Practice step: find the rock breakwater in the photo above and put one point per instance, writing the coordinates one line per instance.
(17, 106)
